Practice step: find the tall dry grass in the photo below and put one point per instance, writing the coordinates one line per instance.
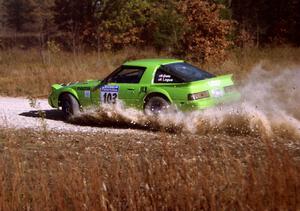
(125, 172)
(31, 72)
(241, 60)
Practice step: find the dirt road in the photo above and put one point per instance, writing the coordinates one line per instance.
(241, 120)
(21, 113)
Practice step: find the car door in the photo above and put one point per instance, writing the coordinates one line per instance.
(123, 85)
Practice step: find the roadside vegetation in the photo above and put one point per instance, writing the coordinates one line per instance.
(64, 171)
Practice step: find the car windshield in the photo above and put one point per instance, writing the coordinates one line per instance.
(187, 72)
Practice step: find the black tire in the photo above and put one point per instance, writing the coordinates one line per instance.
(70, 106)
(156, 105)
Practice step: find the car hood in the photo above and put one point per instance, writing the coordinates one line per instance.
(84, 84)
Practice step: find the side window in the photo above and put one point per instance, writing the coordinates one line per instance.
(162, 76)
(128, 75)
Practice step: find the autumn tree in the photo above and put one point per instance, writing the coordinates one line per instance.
(43, 15)
(168, 25)
(17, 13)
(276, 22)
(206, 34)
(77, 19)
(294, 23)
(1, 15)
(154, 23)
(188, 27)
(125, 23)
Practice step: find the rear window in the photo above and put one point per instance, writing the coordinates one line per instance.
(180, 73)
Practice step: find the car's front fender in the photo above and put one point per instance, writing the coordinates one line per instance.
(55, 95)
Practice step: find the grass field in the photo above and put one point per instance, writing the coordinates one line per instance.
(55, 171)
(31, 72)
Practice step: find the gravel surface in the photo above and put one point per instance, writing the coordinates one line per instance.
(23, 113)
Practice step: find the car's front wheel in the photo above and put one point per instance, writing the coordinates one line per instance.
(156, 105)
(70, 106)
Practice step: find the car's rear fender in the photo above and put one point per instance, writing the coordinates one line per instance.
(174, 92)
(158, 92)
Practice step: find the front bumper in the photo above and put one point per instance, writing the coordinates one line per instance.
(52, 100)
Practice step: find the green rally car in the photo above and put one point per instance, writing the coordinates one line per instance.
(151, 85)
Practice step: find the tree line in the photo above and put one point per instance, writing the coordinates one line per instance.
(198, 29)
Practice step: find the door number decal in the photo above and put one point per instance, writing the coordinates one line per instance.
(109, 94)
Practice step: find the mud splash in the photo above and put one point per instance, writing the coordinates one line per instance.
(270, 107)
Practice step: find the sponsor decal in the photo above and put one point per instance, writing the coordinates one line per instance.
(164, 78)
(87, 93)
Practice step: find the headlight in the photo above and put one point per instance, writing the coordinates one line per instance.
(199, 95)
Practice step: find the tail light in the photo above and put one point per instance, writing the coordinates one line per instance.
(199, 95)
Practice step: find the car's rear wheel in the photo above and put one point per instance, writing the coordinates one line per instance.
(156, 105)
(70, 106)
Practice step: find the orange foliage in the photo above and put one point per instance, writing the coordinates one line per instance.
(207, 35)
(130, 37)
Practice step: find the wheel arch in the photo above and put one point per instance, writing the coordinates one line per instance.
(73, 93)
(159, 94)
